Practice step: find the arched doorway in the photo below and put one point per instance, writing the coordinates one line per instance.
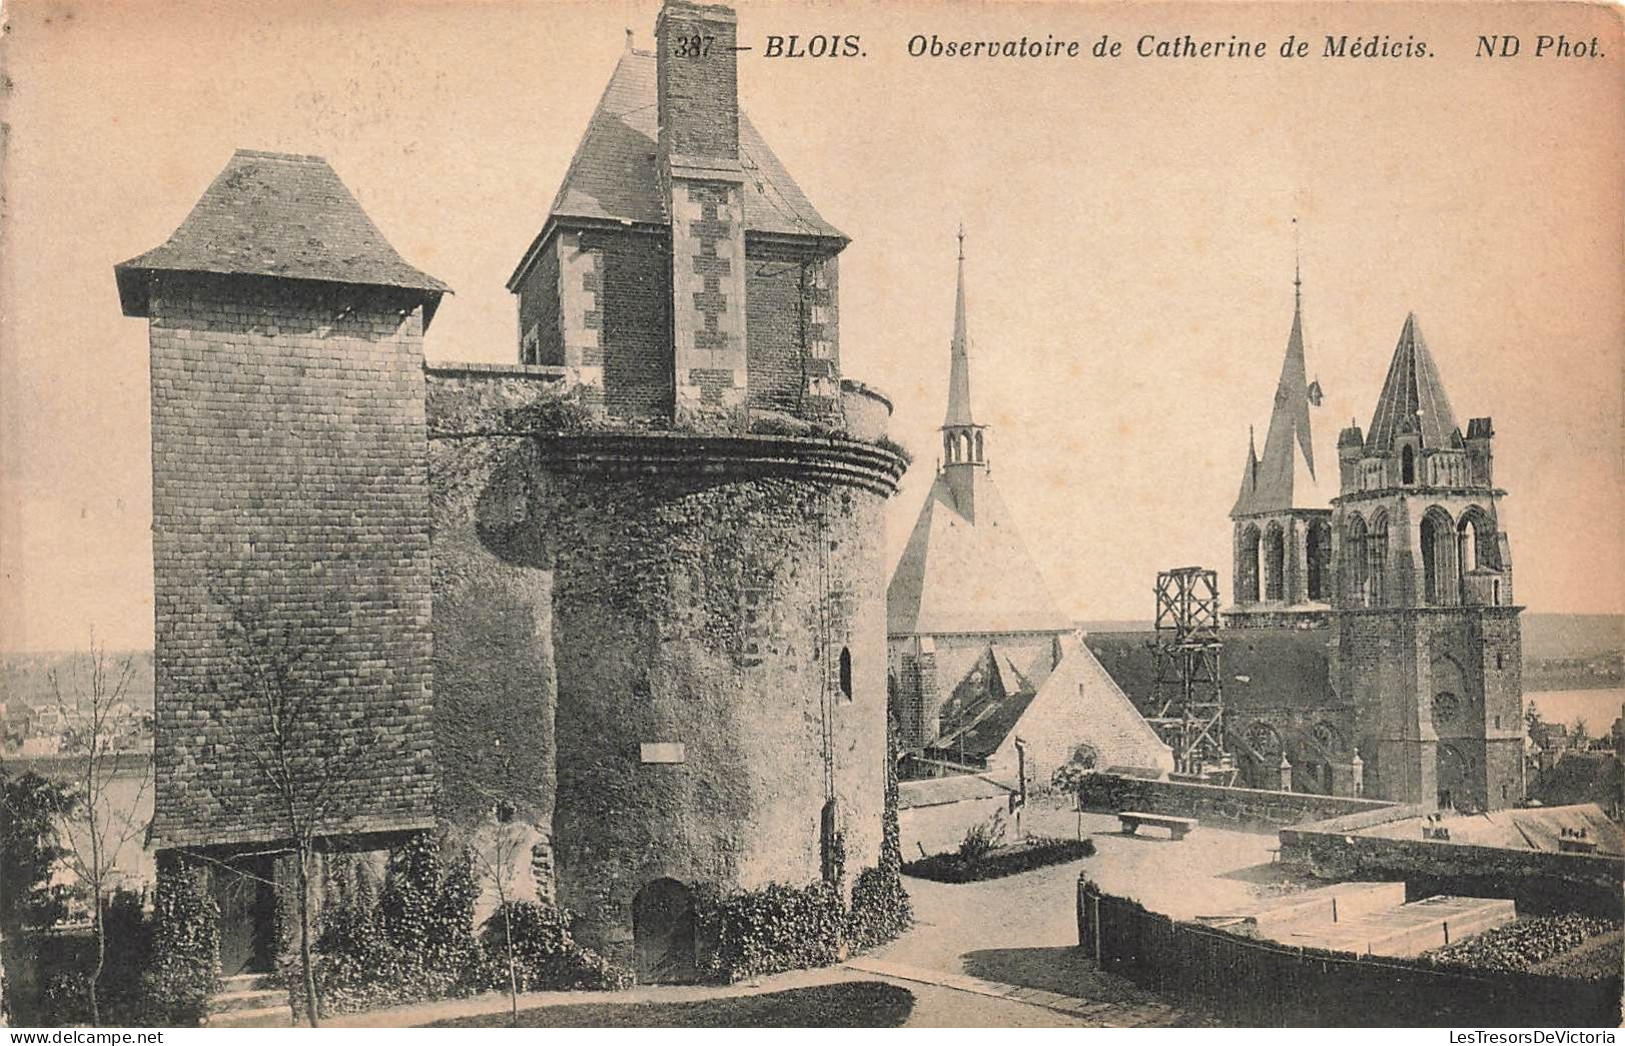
(663, 932)
(1450, 774)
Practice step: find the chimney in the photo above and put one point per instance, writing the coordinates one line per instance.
(698, 82)
(698, 101)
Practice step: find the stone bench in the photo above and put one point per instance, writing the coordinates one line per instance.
(1178, 827)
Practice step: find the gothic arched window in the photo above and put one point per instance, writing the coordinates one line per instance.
(1354, 562)
(1247, 566)
(1377, 560)
(1274, 564)
(1317, 558)
(1439, 579)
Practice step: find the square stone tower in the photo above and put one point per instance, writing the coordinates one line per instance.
(290, 501)
(1426, 635)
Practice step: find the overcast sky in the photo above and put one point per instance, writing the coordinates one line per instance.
(1128, 228)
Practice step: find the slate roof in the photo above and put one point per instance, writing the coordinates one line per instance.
(1284, 478)
(940, 791)
(1535, 828)
(1263, 667)
(959, 412)
(281, 215)
(1412, 398)
(960, 576)
(614, 177)
(990, 700)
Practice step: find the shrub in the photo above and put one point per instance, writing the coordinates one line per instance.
(1037, 852)
(415, 941)
(562, 413)
(982, 838)
(776, 928)
(889, 444)
(185, 945)
(546, 957)
(1524, 944)
(880, 909)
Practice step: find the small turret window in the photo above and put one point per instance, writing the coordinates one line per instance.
(978, 446)
(846, 672)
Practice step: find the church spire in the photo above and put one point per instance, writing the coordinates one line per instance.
(959, 413)
(1284, 477)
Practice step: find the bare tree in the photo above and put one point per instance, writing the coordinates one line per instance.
(97, 822)
(271, 699)
(496, 848)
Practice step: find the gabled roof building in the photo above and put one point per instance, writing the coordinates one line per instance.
(979, 653)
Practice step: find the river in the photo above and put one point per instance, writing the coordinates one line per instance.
(1599, 708)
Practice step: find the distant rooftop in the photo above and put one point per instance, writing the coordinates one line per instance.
(279, 215)
(1536, 828)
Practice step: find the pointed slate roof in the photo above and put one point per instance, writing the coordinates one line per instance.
(959, 412)
(1413, 398)
(959, 576)
(281, 215)
(1284, 478)
(614, 175)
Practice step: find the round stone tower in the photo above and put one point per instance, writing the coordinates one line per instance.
(677, 453)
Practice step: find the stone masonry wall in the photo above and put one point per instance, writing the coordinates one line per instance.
(1216, 804)
(633, 284)
(708, 302)
(705, 615)
(794, 358)
(288, 442)
(541, 333)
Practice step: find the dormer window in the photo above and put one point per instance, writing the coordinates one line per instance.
(1407, 466)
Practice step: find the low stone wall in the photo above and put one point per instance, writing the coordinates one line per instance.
(1215, 804)
(1539, 881)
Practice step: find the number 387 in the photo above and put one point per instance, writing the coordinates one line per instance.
(695, 46)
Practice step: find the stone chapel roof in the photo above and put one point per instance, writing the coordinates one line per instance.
(1413, 398)
(614, 175)
(963, 575)
(280, 215)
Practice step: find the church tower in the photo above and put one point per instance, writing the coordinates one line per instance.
(965, 580)
(1426, 636)
(1282, 527)
(964, 447)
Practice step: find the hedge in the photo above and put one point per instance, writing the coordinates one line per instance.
(1037, 852)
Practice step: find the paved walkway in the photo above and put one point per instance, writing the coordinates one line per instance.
(967, 1003)
(993, 954)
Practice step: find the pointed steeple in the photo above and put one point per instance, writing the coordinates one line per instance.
(959, 412)
(1413, 398)
(1284, 478)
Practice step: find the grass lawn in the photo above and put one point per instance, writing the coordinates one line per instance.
(854, 1004)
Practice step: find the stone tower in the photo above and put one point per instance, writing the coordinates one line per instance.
(289, 485)
(1425, 631)
(1282, 526)
(669, 514)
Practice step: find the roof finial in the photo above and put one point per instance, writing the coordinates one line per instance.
(961, 241)
(1297, 264)
(629, 38)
